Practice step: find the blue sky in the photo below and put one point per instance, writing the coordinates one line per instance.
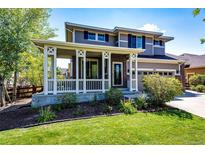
(178, 23)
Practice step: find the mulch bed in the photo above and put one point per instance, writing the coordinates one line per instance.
(27, 116)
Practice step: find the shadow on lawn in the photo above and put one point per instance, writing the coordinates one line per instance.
(175, 112)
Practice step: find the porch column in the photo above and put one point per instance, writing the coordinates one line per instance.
(77, 75)
(136, 74)
(84, 72)
(103, 71)
(45, 71)
(130, 71)
(54, 71)
(109, 71)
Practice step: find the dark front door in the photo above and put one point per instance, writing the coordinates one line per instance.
(117, 74)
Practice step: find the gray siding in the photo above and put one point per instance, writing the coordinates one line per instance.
(148, 50)
(159, 51)
(158, 66)
(79, 38)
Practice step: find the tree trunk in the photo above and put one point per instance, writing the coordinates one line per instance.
(7, 94)
(2, 93)
(14, 87)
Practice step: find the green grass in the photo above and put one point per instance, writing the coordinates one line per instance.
(167, 127)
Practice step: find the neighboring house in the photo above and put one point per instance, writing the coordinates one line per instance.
(194, 64)
(102, 58)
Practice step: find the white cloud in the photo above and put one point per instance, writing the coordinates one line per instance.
(152, 27)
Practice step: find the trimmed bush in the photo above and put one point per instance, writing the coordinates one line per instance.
(198, 79)
(46, 115)
(200, 88)
(107, 109)
(114, 96)
(68, 100)
(141, 102)
(161, 89)
(127, 107)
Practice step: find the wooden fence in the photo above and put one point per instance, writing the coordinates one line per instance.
(25, 92)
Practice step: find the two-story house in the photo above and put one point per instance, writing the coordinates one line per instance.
(101, 58)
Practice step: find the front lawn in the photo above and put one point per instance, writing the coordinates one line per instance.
(167, 127)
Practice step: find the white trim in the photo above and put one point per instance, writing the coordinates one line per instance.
(54, 71)
(130, 71)
(145, 69)
(109, 71)
(84, 72)
(90, 47)
(73, 38)
(103, 72)
(136, 74)
(149, 43)
(151, 60)
(45, 70)
(123, 41)
(158, 46)
(77, 72)
(113, 63)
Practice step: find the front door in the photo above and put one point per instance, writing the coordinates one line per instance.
(117, 73)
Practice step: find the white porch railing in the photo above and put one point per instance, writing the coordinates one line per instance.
(69, 85)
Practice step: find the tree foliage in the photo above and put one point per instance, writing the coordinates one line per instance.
(196, 12)
(17, 28)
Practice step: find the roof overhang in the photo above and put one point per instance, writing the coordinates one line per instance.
(196, 67)
(166, 38)
(79, 46)
(162, 61)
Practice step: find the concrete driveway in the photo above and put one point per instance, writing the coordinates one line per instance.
(190, 101)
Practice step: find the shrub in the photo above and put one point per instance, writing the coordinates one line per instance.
(114, 96)
(200, 88)
(57, 107)
(68, 100)
(197, 79)
(127, 107)
(46, 115)
(161, 89)
(141, 102)
(79, 111)
(107, 109)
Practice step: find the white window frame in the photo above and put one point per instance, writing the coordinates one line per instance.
(96, 36)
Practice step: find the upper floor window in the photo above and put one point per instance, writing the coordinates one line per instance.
(136, 41)
(101, 37)
(139, 41)
(91, 36)
(158, 42)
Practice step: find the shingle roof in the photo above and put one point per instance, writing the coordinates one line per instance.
(192, 60)
(167, 57)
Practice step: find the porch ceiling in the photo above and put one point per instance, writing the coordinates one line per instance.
(69, 46)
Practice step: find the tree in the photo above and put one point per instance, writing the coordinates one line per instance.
(17, 28)
(196, 12)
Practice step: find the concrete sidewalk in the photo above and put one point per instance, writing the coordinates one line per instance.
(190, 101)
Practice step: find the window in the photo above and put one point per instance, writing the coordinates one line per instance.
(139, 42)
(145, 73)
(91, 36)
(170, 73)
(101, 37)
(150, 72)
(165, 73)
(158, 42)
(139, 73)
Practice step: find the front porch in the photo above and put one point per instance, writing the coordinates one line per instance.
(88, 71)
